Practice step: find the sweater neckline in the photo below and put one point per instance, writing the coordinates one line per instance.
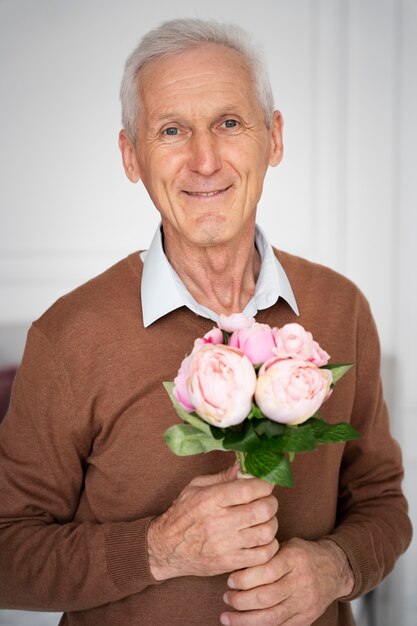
(200, 323)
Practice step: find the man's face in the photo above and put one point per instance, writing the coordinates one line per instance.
(202, 146)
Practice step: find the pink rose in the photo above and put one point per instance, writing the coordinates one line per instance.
(293, 341)
(236, 321)
(180, 385)
(289, 391)
(214, 336)
(221, 385)
(257, 342)
(319, 356)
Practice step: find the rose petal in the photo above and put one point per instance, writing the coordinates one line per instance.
(233, 322)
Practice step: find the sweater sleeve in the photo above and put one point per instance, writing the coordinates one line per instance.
(48, 561)
(373, 527)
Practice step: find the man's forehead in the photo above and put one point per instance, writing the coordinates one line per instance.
(214, 75)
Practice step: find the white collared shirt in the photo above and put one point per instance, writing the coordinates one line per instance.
(163, 290)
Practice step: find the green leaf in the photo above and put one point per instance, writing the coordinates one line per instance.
(185, 440)
(226, 337)
(244, 440)
(191, 418)
(293, 439)
(269, 428)
(332, 433)
(270, 466)
(338, 370)
(256, 413)
(217, 433)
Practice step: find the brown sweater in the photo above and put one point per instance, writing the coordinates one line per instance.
(84, 468)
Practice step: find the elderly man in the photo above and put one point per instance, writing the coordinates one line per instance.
(98, 518)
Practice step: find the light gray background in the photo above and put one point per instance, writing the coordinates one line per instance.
(344, 77)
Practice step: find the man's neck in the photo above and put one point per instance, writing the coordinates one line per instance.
(219, 277)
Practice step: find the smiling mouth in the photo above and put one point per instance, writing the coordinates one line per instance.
(206, 194)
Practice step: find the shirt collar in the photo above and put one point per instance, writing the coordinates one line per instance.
(163, 291)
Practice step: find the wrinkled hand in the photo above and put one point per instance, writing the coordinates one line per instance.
(294, 588)
(217, 524)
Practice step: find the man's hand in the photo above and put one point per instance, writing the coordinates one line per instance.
(294, 588)
(217, 524)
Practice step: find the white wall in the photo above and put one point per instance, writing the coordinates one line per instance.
(344, 76)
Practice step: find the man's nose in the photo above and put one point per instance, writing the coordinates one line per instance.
(204, 156)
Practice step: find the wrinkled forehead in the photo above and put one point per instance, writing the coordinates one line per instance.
(202, 69)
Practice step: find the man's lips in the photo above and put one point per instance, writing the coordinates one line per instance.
(206, 194)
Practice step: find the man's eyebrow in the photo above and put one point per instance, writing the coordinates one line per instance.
(230, 108)
(165, 117)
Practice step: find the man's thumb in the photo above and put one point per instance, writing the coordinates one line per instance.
(215, 479)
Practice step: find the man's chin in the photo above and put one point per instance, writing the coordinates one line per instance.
(210, 233)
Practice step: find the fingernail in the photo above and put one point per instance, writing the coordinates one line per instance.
(224, 620)
(225, 598)
(230, 583)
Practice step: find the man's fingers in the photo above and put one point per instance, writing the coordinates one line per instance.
(227, 491)
(263, 574)
(244, 516)
(280, 615)
(200, 533)
(255, 556)
(225, 476)
(241, 492)
(260, 534)
(292, 589)
(263, 597)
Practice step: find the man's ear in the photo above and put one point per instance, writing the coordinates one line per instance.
(277, 147)
(130, 162)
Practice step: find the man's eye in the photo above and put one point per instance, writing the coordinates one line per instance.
(172, 131)
(230, 123)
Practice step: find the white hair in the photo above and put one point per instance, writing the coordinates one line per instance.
(180, 34)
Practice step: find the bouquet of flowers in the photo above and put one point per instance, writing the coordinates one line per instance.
(256, 390)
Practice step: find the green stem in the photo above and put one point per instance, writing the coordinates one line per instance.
(241, 458)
